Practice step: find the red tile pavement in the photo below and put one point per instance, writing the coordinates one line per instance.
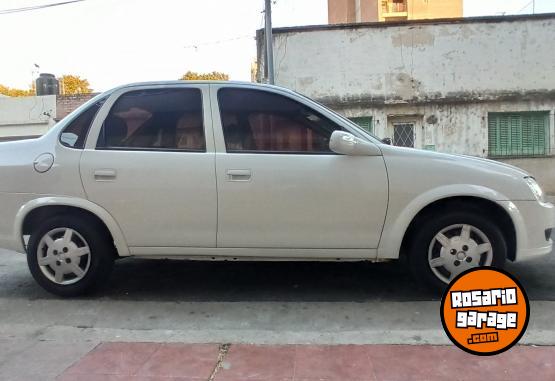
(123, 359)
(345, 362)
(252, 362)
(178, 360)
(194, 362)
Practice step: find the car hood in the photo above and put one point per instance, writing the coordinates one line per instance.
(479, 161)
(432, 169)
(472, 162)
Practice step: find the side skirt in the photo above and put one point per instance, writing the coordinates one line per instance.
(254, 254)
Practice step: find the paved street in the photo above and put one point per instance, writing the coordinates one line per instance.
(261, 303)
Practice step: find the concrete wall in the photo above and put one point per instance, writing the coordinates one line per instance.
(27, 117)
(460, 129)
(443, 76)
(542, 168)
(452, 128)
(24, 117)
(420, 62)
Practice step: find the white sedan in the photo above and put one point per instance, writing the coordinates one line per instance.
(235, 171)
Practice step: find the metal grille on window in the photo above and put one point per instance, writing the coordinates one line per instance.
(518, 134)
(403, 134)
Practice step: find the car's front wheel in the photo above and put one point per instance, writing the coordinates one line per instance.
(69, 255)
(446, 245)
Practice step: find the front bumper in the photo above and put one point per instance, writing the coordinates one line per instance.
(531, 220)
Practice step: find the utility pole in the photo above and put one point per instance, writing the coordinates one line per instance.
(269, 41)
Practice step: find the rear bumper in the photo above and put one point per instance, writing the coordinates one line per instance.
(532, 219)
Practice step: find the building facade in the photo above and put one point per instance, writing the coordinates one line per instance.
(480, 86)
(351, 11)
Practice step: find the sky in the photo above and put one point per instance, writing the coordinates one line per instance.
(112, 42)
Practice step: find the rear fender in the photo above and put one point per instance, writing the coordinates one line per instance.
(101, 213)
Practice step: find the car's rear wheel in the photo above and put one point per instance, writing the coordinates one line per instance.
(70, 256)
(446, 245)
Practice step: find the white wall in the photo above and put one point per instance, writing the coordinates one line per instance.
(452, 128)
(446, 76)
(419, 61)
(26, 116)
(463, 129)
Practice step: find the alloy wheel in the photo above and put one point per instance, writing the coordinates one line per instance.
(64, 256)
(458, 248)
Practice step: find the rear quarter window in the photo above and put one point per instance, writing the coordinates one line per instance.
(75, 133)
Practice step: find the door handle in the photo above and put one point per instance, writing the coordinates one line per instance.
(238, 175)
(104, 174)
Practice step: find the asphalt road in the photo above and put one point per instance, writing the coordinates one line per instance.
(282, 297)
(190, 281)
(239, 302)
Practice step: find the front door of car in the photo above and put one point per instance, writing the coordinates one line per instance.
(149, 162)
(280, 186)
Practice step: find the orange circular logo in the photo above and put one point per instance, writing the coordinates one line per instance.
(485, 311)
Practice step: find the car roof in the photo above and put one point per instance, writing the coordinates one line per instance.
(181, 82)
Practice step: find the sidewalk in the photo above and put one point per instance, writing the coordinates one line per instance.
(188, 362)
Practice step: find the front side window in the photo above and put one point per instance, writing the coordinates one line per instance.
(155, 119)
(259, 121)
(75, 134)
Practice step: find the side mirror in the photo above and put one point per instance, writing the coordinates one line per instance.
(69, 138)
(386, 141)
(344, 143)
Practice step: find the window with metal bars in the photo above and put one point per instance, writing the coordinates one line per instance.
(519, 134)
(364, 122)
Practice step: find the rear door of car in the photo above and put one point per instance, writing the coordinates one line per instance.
(149, 161)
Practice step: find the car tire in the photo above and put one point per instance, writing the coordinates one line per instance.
(445, 245)
(70, 256)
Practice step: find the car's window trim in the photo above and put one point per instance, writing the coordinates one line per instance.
(152, 149)
(266, 152)
(101, 100)
(155, 149)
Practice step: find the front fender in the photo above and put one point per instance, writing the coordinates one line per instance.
(105, 217)
(401, 214)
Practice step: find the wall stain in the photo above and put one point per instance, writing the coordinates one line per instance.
(413, 37)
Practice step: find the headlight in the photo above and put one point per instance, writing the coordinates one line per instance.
(535, 188)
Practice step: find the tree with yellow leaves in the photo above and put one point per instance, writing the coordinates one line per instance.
(214, 76)
(11, 92)
(74, 84)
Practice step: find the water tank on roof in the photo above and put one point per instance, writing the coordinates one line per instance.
(47, 84)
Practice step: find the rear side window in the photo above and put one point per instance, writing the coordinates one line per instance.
(75, 134)
(156, 119)
(256, 121)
